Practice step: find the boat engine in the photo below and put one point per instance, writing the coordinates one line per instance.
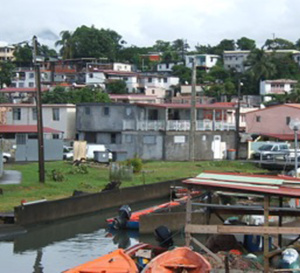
(123, 217)
(163, 236)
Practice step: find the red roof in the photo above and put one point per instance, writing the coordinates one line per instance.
(22, 90)
(25, 129)
(282, 136)
(294, 105)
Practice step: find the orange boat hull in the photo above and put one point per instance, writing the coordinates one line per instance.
(114, 262)
(177, 260)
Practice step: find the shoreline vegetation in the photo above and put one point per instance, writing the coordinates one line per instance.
(62, 178)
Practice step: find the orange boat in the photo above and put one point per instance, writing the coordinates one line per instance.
(115, 262)
(180, 259)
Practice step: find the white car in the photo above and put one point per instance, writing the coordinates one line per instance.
(68, 153)
(6, 157)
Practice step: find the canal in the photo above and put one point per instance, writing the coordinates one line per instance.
(61, 245)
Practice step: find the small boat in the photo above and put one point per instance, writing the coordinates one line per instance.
(115, 262)
(180, 259)
(131, 260)
(129, 220)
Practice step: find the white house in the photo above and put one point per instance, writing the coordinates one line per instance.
(271, 87)
(60, 117)
(205, 61)
(6, 52)
(25, 78)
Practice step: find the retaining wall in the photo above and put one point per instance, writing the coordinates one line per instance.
(88, 203)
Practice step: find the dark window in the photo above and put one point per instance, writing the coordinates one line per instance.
(106, 111)
(288, 120)
(55, 136)
(34, 114)
(150, 79)
(113, 138)
(32, 136)
(258, 118)
(17, 114)
(55, 114)
(165, 80)
(153, 114)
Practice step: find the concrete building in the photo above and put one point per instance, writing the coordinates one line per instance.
(60, 117)
(156, 131)
(276, 87)
(204, 61)
(6, 52)
(273, 121)
(25, 78)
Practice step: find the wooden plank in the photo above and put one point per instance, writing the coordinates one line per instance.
(207, 250)
(228, 229)
(188, 218)
(266, 235)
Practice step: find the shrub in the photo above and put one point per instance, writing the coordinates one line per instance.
(136, 163)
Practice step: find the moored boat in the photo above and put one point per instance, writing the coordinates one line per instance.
(180, 259)
(115, 262)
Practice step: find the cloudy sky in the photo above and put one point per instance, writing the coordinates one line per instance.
(142, 22)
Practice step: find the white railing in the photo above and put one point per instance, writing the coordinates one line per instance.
(177, 125)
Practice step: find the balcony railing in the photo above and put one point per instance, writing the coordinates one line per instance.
(177, 125)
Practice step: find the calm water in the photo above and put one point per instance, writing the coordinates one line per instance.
(57, 247)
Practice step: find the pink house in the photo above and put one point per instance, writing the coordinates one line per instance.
(273, 121)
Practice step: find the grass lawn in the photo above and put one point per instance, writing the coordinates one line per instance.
(98, 176)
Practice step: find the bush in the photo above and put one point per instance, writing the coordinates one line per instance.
(136, 163)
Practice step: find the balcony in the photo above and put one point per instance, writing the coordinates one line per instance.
(176, 125)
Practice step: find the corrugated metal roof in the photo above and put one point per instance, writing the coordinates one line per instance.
(260, 184)
(186, 106)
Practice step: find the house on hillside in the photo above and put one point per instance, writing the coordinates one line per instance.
(276, 87)
(60, 117)
(273, 122)
(6, 52)
(203, 61)
(156, 131)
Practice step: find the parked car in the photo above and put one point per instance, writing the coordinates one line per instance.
(68, 153)
(271, 150)
(6, 157)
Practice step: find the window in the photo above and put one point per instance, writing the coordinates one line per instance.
(165, 80)
(153, 91)
(149, 139)
(91, 75)
(17, 114)
(106, 111)
(87, 110)
(113, 138)
(21, 84)
(31, 84)
(32, 136)
(258, 118)
(288, 120)
(31, 75)
(167, 66)
(149, 79)
(34, 113)
(55, 114)
(55, 136)
(153, 114)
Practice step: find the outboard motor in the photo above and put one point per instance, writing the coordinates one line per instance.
(123, 217)
(163, 236)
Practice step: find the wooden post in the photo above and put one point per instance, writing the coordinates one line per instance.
(188, 217)
(266, 236)
(280, 222)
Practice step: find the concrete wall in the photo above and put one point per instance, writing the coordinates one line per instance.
(1, 164)
(203, 144)
(78, 205)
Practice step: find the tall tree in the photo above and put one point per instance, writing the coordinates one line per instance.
(278, 43)
(245, 43)
(6, 73)
(224, 45)
(23, 54)
(116, 87)
(184, 73)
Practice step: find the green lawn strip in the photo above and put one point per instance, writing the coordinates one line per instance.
(98, 176)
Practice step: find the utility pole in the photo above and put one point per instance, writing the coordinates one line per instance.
(39, 112)
(237, 121)
(193, 115)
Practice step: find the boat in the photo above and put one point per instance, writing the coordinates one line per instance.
(117, 261)
(129, 220)
(180, 259)
(131, 260)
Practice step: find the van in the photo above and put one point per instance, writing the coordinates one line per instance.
(91, 148)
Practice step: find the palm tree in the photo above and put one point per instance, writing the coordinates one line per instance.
(67, 44)
(261, 65)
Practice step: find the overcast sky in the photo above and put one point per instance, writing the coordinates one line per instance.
(142, 22)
